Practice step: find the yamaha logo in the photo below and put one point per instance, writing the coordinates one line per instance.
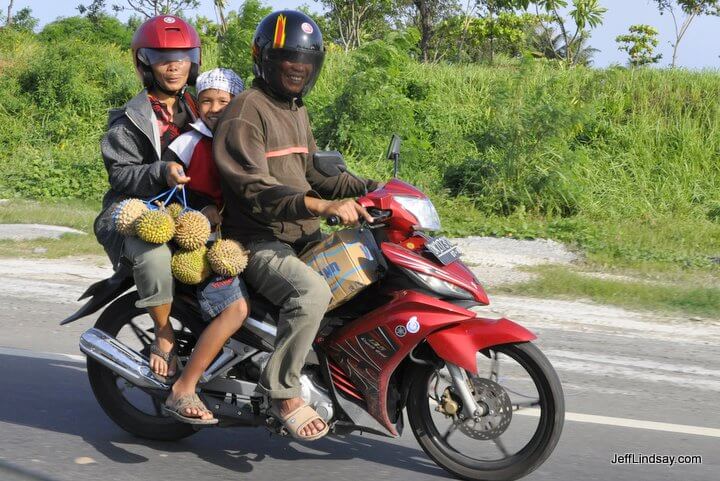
(169, 19)
(307, 28)
(400, 331)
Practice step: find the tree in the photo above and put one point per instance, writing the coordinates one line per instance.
(354, 18)
(235, 45)
(9, 18)
(22, 20)
(548, 43)
(640, 44)
(94, 11)
(586, 14)
(220, 6)
(151, 8)
(494, 27)
(692, 9)
(430, 14)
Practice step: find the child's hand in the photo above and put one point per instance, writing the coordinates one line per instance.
(212, 214)
(176, 175)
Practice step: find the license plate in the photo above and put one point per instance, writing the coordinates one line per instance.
(443, 250)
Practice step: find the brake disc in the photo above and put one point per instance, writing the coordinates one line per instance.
(499, 411)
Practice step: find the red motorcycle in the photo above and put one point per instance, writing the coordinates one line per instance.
(483, 401)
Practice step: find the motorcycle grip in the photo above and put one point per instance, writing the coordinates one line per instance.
(333, 220)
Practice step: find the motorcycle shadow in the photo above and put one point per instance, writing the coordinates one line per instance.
(54, 395)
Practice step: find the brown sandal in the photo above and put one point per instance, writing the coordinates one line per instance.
(170, 358)
(179, 405)
(298, 419)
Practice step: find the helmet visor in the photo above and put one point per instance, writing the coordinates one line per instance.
(312, 57)
(153, 56)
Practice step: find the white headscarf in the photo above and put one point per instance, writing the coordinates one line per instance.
(221, 79)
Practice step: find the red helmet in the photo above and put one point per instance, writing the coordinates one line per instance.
(165, 37)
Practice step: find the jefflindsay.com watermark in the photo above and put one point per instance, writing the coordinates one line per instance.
(666, 459)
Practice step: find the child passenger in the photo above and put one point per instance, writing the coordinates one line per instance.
(223, 301)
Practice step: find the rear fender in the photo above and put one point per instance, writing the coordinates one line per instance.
(460, 343)
(101, 294)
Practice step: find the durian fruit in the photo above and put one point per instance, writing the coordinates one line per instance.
(190, 266)
(155, 226)
(192, 230)
(126, 213)
(227, 257)
(174, 210)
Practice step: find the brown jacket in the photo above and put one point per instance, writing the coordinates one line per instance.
(263, 149)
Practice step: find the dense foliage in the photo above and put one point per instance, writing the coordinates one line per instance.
(603, 157)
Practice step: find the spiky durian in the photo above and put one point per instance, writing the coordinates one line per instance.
(192, 230)
(190, 266)
(174, 210)
(126, 214)
(155, 226)
(227, 257)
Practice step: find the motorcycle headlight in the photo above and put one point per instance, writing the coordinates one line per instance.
(423, 210)
(444, 288)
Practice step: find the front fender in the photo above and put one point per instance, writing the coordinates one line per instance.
(460, 343)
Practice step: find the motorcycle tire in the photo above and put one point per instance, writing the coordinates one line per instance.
(104, 383)
(527, 459)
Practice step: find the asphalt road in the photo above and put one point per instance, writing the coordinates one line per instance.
(623, 373)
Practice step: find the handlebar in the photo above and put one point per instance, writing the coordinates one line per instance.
(378, 215)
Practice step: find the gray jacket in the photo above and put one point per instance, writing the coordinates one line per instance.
(132, 156)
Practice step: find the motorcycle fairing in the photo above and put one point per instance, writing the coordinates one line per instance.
(370, 348)
(455, 273)
(459, 344)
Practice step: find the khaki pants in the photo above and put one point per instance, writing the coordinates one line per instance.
(151, 271)
(303, 297)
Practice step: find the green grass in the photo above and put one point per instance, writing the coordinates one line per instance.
(67, 245)
(70, 213)
(671, 294)
(78, 214)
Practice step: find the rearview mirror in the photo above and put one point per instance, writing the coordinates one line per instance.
(393, 153)
(330, 163)
(394, 148)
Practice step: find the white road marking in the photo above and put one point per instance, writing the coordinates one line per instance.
(630, 423)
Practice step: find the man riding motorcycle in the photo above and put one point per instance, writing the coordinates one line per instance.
(274, 195)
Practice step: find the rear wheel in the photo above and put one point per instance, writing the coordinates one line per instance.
(525, 413)
(131, 408)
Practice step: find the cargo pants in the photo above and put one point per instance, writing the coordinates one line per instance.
(151, 270)
(303, 296)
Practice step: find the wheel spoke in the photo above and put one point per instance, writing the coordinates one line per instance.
(501, 446)
(451, 429)
(526, 404)
(141, 335)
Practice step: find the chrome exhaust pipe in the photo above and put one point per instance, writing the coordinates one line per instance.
(119, 358)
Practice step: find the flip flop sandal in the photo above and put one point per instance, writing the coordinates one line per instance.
(169, 358)
(179, 405)
(298, 419)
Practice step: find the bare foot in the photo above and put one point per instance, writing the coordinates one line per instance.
(289, 405)
(165, 340)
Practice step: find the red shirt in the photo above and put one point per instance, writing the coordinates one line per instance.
(193, 149)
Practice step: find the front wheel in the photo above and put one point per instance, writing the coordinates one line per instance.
(524, 415)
